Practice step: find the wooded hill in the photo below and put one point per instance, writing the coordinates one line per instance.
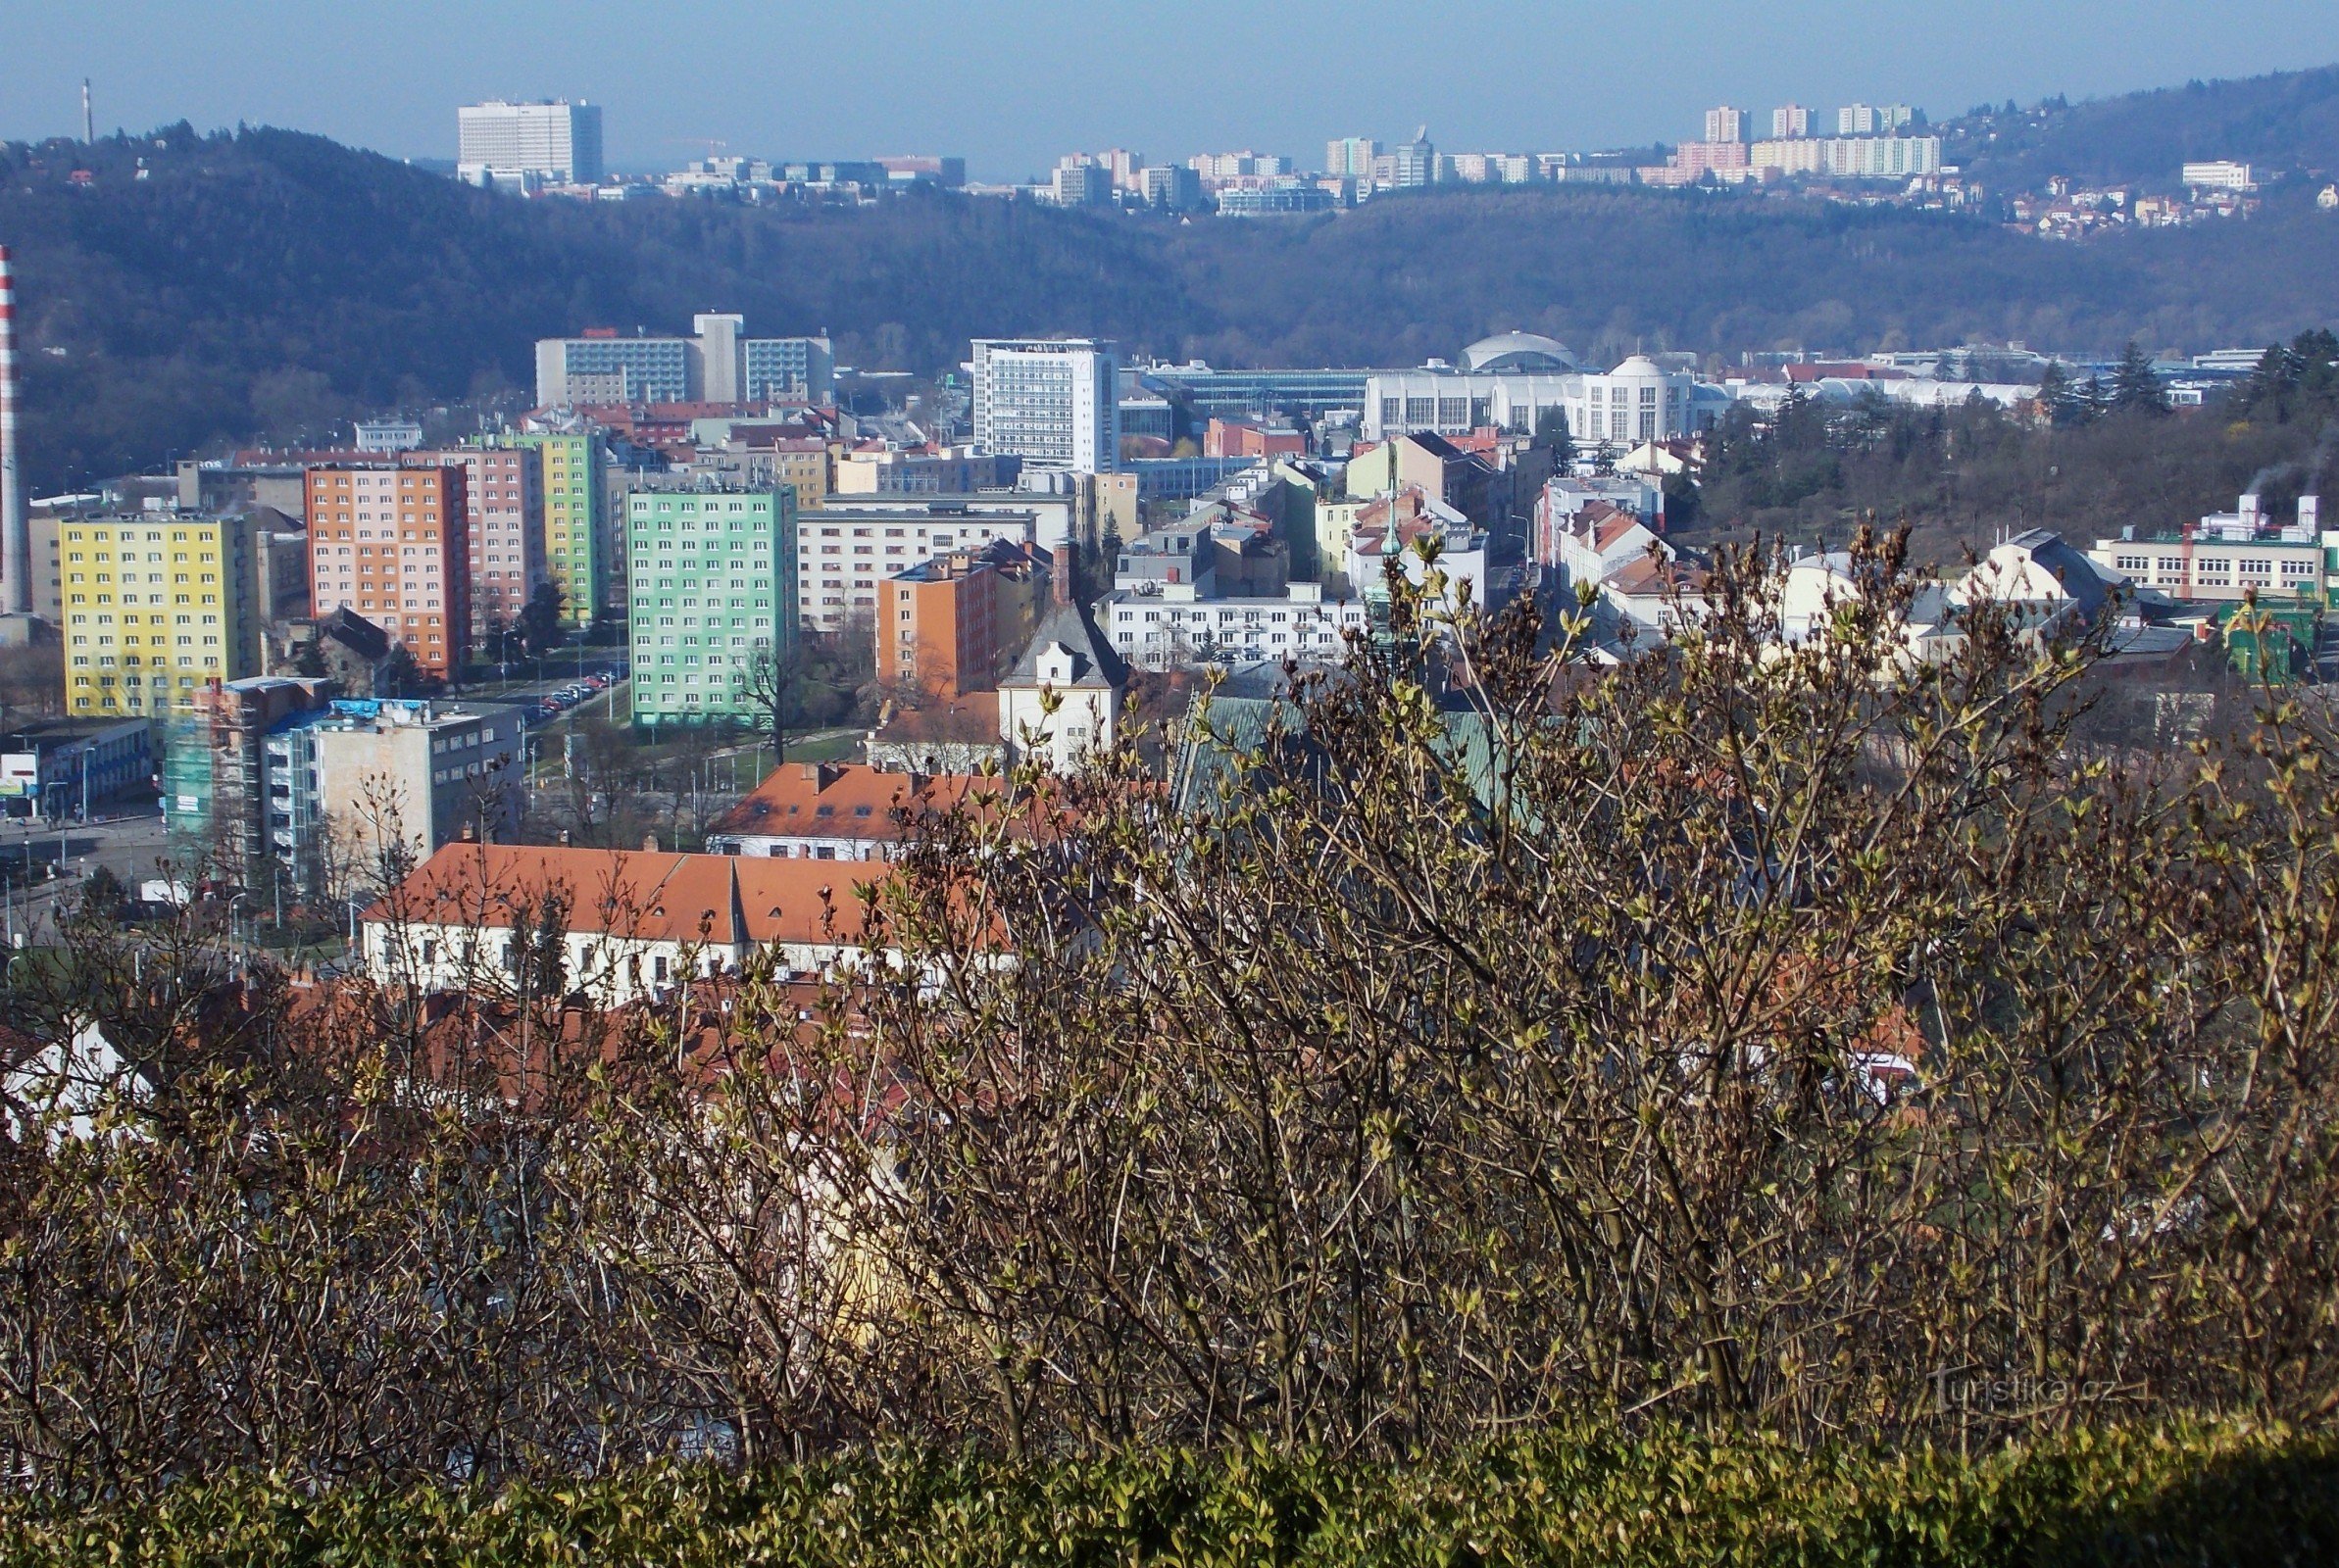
(272, 281)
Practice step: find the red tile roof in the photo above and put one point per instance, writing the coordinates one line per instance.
(847, 800)
(718, 898)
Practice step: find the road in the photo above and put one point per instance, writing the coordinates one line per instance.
(131, 847)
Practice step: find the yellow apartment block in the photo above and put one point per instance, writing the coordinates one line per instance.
(154, 608)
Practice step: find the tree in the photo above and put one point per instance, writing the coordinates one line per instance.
(2135, 386)
(103, 895)
(539, 625)
(775, 688)
(1551, 430)
(400, 675)
(2054, 395)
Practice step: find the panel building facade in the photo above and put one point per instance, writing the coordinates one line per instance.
(712, 579)
(155, 609)
(1052, 402)
(392, 543)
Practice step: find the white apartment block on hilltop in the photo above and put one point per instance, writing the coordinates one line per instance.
(2219, 175)
(1053, 402)
(557, 140)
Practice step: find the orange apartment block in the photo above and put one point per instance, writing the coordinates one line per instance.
(953, 625)
(392, 543)
(504, 488)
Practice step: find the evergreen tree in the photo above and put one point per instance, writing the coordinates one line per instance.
(1551, 429)
(540, 620)
(2135, 387)
(2056, 401)
(2093, 400)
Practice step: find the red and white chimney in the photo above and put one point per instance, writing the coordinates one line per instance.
(15, 527)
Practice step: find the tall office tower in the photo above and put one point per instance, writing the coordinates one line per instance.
(15, 527)
(580, 530)
(1790, 122)
(711, 581)
(557, 140)
(1053, 402)
(504, 491)
(1413, 163)
(155, 608)
(1726, 125)
(393, 544)
(1351, 157)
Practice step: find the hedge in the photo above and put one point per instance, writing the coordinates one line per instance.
(2192, 1495)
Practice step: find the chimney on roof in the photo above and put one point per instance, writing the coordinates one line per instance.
(649, 844)
(820, 775)
(564, 838)
(1068, 561)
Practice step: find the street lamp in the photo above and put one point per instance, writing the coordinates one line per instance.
(231, 928)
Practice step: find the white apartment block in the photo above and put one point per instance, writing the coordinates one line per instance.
(845, 552)
(558, 140)
(1158, 631)
(2219, 175)
(1053, 402)
(716, 364)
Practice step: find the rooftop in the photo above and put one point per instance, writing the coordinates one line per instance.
(718, 898)
(845, 800)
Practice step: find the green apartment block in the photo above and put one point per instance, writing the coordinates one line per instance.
(711, 578)
(581, 544)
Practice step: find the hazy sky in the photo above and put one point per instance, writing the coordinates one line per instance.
(1010, 85)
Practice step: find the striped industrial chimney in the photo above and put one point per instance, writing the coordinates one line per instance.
(15, 528)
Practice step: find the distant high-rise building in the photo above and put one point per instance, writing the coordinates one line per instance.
(1172, 187)
(557, 140)
(932, 170)
(1789, 122)
(1080, 181)
(717, 364)
(1726, 125)
(1351, 157)
(1413, 163)
(1873, 120)
(1052, 402)
(1126, 167)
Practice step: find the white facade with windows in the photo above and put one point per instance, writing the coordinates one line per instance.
(2230, 554)
(1053, 402)
(845, 554)
(557, 140)
(1637, 401)
(1158, 631)
(715, 365)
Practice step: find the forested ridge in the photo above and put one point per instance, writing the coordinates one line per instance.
(264, 281)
